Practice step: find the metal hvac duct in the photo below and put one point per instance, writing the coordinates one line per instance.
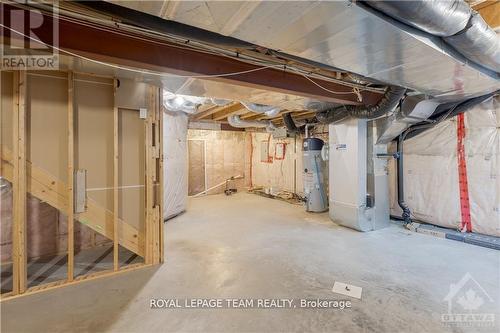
(454, 21)
(268, 110)
(237, 122)
(220, 101)
(478, 42)
(181, 103)
(439, 18)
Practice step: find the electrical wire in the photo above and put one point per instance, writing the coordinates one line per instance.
(177, 75)
(199, 46)
(139, 70)
(321, 87)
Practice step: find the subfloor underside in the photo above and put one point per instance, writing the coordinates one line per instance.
(246, 246)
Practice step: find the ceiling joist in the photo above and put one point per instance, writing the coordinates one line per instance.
(218, 112)
(233, 109)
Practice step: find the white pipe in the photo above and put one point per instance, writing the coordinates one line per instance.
(307, 129)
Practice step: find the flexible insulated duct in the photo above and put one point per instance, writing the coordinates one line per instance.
(268, 110)
(478, 42)
(454, 21)
(389, 101)
(220, 101)
(237, 122)
(289, 123)
(437, 17)
(180, 106)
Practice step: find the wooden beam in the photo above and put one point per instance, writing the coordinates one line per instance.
(115, 179)
(161, 180)
(205, 113)
(254, 116)
(303, 114)
(19, 184)
(280, 115)
(248, 115)
(71, 173)
(149, 183)
(230, 110)
(211, 111)
(155, 54)
(490, 11)
(157, 183)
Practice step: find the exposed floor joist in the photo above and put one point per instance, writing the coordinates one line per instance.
(224, 109)
(490, 11)
(228, 112)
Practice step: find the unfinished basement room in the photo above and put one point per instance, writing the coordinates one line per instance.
(250, 166)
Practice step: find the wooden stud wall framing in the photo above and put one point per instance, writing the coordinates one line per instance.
(19, 184)
(27, 177)
(160, 178)
(153, 177)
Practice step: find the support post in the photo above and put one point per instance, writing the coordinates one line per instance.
(160, 176)
(115, 180)
(153, 168)
(71, 173)
(19, 184)
(148, 258)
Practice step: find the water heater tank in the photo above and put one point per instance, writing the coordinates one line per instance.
(314, 181)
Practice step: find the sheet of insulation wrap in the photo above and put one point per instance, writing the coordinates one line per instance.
(222, 155)
(175, 163)
(431, 172)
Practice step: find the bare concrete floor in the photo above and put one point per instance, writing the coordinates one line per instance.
(245, 246)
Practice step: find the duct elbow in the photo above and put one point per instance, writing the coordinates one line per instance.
(268, 110)
(332, 116)
(290, 123)
(453, 21)
(237, 122)
(387, 103)
(478, 42)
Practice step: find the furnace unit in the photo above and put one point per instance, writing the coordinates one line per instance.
(358, 181)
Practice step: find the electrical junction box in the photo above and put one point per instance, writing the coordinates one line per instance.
(280, 133)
